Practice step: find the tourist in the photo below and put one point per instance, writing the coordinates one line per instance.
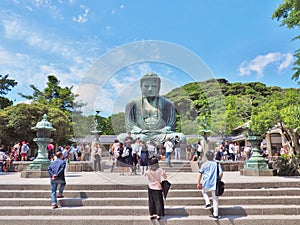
(87, 152)
(24, 151)
(78, 152)
(127, 159)
(143, 158)
(247, 151)
(120, 159)
(199, 150)
(151, 148)
(66, 154)
(177, 148)
(128, 140)
(17, 147)
(96, 156)
(155, 194)
(231, 151)
(188, 153)
(135, 149)
(237, 154)
(169, 149)
(56, 171)
(50, 151)
(207, 181)
(114, 149)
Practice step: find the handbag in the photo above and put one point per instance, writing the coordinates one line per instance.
(220, 186)
(165, 185)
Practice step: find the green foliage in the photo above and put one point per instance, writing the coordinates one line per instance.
(287, 165)
(6, 85)
(118, 123)
(289, 15)
(55, 96)
(217, 105)
(16, 123)
(193, 140)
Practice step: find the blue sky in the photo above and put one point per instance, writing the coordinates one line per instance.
(237, 39)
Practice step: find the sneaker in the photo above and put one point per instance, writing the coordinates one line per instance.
(54, 206)
(215, 217)
(208, 206)
(60, 196)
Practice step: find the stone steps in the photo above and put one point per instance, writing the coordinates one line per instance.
(113, 204)
(191, 201)
(137, 220)
(143, 193)
(188, 186)
(242, 210)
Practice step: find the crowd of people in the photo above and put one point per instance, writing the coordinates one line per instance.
(17, 152)
(134, 154)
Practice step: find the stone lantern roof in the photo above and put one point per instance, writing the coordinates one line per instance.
(44, 124)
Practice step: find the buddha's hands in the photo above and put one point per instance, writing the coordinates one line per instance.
(165, 130)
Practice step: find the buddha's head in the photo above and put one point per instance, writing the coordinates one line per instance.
(150, 85)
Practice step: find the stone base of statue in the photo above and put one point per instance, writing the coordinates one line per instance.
(37, 169)
(34, 174)
(157, 138)
(257, 165)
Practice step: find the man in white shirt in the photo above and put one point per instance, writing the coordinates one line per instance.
(169, 149)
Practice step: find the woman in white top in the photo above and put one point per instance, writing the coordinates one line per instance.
(155, 194)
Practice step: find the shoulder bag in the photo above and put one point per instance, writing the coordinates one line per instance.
(220, 186)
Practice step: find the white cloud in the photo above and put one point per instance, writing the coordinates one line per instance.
(259, 63)
(82, 18)
(286, 62)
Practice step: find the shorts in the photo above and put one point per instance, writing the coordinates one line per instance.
(23, 154)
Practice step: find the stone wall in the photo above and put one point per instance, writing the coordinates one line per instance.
(226, 166)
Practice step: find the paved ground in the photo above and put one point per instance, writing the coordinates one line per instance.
(114, 178)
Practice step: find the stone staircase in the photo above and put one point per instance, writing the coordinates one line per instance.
(242, 203)
(177, 166)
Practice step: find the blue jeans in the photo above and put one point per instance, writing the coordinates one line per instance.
(168, 157)
(54, 184)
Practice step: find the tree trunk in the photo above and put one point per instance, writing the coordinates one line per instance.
(294, 140)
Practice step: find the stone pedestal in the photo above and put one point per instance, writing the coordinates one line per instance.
(257, 164)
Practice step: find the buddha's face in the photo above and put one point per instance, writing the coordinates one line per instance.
(150, 88)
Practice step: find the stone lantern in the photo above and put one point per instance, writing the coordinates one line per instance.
(39, 166)
(257, 165)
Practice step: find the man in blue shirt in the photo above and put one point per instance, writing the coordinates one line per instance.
(56, 171)
(207, 181)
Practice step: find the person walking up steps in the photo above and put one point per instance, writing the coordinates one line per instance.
(207, 181)
(56, 171)
(155, 194)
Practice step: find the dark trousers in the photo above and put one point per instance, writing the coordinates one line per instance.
(135, 162)
(156, 202)
(97, 161)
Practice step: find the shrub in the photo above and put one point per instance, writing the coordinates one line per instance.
(287, 165)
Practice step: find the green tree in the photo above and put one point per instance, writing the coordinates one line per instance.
(280, 109)
(6, 85)
(55, 96)
(118, 123)
(289, 15)
(16, 123)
